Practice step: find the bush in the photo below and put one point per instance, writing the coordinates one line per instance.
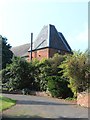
(76, 69)
(49, 67)
(18, 75)
(58, 87)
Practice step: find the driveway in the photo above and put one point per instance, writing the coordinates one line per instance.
(42, 107)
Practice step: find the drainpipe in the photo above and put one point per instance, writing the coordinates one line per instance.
(31, 45)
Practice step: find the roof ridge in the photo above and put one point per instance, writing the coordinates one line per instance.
(20, 45)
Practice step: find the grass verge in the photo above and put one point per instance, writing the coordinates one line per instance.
(6, 103)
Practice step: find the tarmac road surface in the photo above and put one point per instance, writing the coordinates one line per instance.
(28, 106)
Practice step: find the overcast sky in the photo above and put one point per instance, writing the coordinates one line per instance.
(18, 18)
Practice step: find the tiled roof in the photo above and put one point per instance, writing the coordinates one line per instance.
(21, 50)
(42, 39)
(51, 38)
(48, 37)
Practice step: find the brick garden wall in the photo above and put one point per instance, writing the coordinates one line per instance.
(83, 99)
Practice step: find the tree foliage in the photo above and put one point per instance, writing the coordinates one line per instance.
(19, 74)
(6, 53)
(58, 87)
(75, 69)
(59, 74)
(49, 67)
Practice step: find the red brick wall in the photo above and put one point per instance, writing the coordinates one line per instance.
(40, 54)
(44, 53)
(53, 51)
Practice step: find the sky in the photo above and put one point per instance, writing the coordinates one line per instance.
(18, 18)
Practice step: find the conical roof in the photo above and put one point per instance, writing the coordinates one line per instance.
(49, 37)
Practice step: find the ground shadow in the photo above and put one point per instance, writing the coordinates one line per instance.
(36, 118)
(39, 118)
(30, 102)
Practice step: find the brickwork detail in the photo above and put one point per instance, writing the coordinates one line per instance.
(83, 99)
(44, 53)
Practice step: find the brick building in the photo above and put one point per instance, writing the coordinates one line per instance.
(48, 42)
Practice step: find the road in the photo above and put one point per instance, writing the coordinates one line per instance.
(43, 107)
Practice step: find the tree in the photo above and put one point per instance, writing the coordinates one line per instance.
(6, 53)
(75, 69)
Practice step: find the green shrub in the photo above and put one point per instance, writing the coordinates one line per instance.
(49, 67)
(76, 69)
(18, 75)
(58, 87)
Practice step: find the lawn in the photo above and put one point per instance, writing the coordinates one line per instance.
(6, 103)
